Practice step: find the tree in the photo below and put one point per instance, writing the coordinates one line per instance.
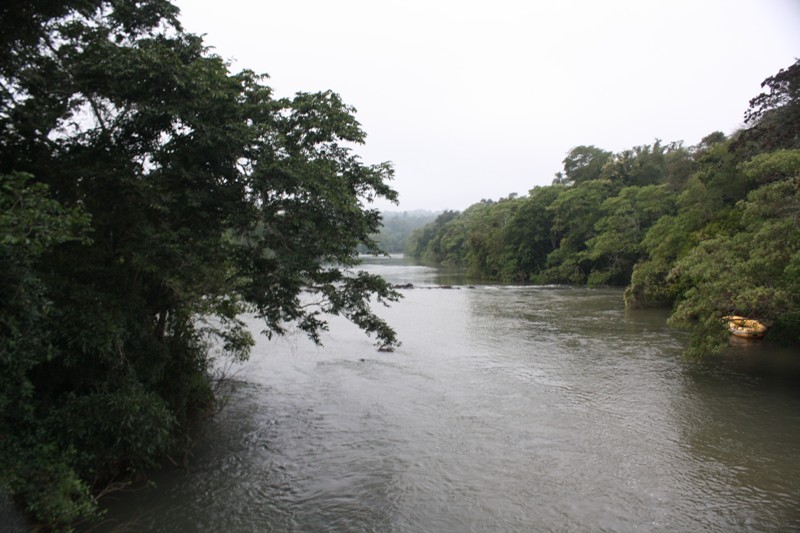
(618, 243)
(583, 163)
(704, 208)
(740, 213)
(754, 271)
(489, 255)
(528, 234)
(31, 224)
(639, 166)
(773, 117)
(574, 212)
(171, 196)
(426, 243)
(773, 166)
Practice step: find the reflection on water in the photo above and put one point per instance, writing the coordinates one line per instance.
(505, 409)
(401, 270)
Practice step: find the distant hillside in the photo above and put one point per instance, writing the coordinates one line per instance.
(398, 226)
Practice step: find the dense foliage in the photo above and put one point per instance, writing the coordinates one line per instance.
(711, 229)
(148, 197)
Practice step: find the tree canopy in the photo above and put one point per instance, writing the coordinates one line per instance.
(149, 197)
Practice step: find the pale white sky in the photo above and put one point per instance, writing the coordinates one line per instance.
(479, 99)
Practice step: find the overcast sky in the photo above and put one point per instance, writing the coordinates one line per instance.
(479, 99)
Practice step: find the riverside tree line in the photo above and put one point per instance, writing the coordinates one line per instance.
(148, 198)
(711, 229)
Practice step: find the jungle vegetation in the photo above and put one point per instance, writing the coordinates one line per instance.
(148, 198)
(711, 229)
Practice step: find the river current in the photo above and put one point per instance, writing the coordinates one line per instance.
(505, 409)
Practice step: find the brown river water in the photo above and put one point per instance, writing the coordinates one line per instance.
(506, 408)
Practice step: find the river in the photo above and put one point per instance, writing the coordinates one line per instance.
(505, 409)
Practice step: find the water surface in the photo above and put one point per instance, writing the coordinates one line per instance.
(505, 409)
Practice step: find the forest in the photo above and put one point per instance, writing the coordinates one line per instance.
(710, 230)
(148, 198)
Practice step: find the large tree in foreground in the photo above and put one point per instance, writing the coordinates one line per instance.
(151, 196)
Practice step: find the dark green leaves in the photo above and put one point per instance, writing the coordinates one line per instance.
(149, 197)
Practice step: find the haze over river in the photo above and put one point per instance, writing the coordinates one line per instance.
(505, 409)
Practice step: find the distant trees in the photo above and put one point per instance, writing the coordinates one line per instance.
(148, 197)
(437, 242)
(567, 232)
(396, 228)
(710, 229)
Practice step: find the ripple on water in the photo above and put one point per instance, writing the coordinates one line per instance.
(506, 409)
